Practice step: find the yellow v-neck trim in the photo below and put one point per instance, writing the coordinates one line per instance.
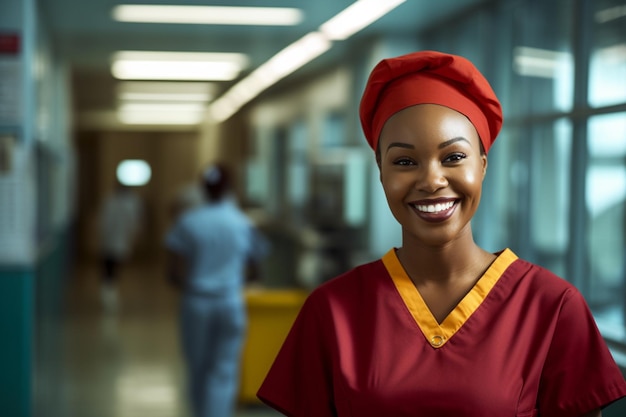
(438, 334)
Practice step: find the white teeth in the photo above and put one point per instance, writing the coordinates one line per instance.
(435, 208)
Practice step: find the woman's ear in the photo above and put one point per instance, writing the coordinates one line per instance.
(483, 157)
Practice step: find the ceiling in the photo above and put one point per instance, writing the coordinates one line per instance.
(85, 35)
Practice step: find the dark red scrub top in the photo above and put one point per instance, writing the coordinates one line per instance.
(522, 343)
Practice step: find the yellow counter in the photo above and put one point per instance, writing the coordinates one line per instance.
(270, 316)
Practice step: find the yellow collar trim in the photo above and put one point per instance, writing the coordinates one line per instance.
(438, 334)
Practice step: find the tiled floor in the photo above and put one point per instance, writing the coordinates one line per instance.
(123, 363)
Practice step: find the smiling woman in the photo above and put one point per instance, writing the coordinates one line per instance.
(411, 333)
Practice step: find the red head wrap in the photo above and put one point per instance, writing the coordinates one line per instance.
(429, 77)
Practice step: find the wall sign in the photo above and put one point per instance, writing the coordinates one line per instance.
(9, 43)
(10, 80)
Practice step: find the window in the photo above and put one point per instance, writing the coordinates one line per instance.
(555, 190)
(549, 194)
(133, 172)
(605, 202)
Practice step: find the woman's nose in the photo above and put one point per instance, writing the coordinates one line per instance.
(432, 178)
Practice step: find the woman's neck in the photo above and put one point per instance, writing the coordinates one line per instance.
(462, 259)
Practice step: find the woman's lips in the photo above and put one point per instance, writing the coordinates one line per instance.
(434, 210)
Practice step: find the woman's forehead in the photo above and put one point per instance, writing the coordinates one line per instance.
(429, 121)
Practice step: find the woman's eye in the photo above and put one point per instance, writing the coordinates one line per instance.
(403, 162)
(455, 157)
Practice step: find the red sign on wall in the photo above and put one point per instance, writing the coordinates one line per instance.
(9, 43)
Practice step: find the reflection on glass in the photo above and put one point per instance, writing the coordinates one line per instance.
(607, 71)
(605, 203)
(298, 172)
(552, 70)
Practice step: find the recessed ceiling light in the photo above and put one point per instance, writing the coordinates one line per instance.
(216, 15)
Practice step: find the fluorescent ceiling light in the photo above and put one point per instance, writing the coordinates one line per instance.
(164, 91)
(155, 113)
(232, 57)
(295, 55)
(161, 107)
(279, 66)
(158, 70)
(160, 118)
(216, 15)
(146, 65)
(351, 20)
(356, 17)
(164, 97)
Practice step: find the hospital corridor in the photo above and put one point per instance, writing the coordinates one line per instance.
(215, 125)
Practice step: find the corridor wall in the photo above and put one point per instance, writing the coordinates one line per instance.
(35, 186)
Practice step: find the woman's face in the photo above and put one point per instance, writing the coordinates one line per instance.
(431, 169)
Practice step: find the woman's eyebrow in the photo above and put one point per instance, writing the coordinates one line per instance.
(400, 145)
(451, 141)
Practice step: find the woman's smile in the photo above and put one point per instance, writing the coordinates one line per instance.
(436, 210)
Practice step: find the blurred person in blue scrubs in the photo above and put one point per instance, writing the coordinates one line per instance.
(210, 249)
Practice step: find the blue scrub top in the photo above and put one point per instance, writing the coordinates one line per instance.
(217, 239)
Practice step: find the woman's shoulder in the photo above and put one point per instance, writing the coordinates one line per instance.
(354, 283)
(541, 280)
(356, 274)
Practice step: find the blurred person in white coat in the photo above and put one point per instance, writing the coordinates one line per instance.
(120, 219)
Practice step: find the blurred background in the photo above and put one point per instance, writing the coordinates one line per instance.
(276, 100)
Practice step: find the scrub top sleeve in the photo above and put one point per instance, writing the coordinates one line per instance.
(579, 374)
(299, 382)
(260, 246)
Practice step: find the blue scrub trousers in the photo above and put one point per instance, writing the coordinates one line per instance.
(213, 329)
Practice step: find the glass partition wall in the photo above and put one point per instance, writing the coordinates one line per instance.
(556, 185)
